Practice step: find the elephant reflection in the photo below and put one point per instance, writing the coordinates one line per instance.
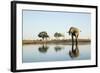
(74, 52)
(57, 48)
(43, 48)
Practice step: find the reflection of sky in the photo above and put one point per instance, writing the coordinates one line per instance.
(37, 21)
(31, 53)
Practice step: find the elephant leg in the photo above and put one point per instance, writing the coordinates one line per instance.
(76, 41)
(72, 43)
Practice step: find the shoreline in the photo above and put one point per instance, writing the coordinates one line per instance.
(63, 41)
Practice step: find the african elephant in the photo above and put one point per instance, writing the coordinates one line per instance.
(74, 32)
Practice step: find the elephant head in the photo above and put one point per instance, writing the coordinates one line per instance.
(74, 31)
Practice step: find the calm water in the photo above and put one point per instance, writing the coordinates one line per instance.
(44, 53)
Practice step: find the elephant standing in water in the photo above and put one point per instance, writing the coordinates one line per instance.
(74, 32)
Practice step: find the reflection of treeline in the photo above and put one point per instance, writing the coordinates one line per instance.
(73, 53)
(58, 48)
(44, 48)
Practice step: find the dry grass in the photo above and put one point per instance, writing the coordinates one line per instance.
(64, 41)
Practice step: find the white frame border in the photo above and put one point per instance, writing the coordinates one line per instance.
(51, 64)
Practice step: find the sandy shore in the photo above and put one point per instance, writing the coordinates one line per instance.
(66, 41)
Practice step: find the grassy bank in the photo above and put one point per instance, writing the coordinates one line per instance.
(64, 41)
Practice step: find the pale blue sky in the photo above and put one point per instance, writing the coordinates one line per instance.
(50, 21)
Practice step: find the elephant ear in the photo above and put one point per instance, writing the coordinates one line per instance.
(70, 31)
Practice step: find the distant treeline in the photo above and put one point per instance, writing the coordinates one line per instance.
(44, 35)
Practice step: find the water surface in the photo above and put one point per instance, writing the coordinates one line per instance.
(52, 52)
